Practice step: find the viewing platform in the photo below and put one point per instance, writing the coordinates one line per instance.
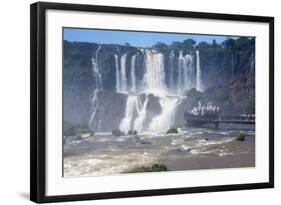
(211, 114)
(200, 120)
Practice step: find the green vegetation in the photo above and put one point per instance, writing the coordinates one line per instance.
(132, 132)
(242, 136)
(238, 97)
(195, 96)
(117, 132)
(72, 130)
(78, 137)
(172, 130)
(153, 168)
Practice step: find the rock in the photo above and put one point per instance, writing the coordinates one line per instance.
(153, 168)
(117, 132)
(172, 130)
(145, 142)
(77, 137)
(132, 132)
(159, 168)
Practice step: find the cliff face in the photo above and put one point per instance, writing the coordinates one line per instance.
(219, 73)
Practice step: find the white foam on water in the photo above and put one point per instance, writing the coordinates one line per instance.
(113, 163)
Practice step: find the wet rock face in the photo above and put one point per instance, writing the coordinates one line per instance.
(153, 109)
(112, 106)
(153, 104)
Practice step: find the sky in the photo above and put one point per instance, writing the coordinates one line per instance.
(137, 39)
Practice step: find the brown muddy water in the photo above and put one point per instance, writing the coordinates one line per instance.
(190, 149)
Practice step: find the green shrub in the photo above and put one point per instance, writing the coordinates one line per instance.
(117, 132)
(132, 132)
(242, 136)
(153, 168)
(159, 168)
(72, 130)
(172, 130)
(78, 137)
(222, 94)
(68, 129)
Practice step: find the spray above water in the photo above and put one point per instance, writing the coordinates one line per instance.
(166, 118)
(141, 111)
(126, 122)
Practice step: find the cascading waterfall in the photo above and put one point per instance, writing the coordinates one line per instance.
(94, 96)
(96, 70)
(181, 66)
(154, 77)
(166, 118)
(188, 84)
(133, 74)
(153, 80)
(118, 75)
(185, 72)
(166, 87)
(123, 79)
(141, 109)
(94, 108)
(171, 69)
(199, 86)
(126, 122)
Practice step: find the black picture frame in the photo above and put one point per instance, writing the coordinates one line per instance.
(38, 101)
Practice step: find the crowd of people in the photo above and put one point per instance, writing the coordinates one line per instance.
(247, 116)
(205, 110)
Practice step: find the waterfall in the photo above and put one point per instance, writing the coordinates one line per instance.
(185, 69)
(154, 77)
(188, 73)
(166, 118)
(123, 80)
(141, 109)
(171, 69)
(96, 70)
(199, 86)
(94, 96)
(126, 122)
(94, 108)
(118, 75)
(133, 74)
(180, 72)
